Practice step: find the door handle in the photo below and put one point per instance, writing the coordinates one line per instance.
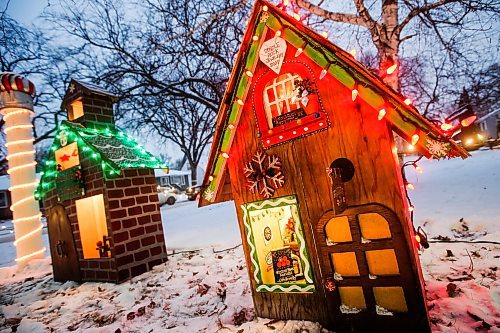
(61, 249)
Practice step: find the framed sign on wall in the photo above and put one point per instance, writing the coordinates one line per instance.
(278, 251)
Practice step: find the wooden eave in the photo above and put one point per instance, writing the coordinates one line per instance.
(405, 120)
(87, 88)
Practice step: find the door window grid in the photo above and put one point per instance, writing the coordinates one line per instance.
(383, 303)
(281, 92)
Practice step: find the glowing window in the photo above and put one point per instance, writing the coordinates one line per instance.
(390, 298)
(382, 262)
(345, 263)
(374, 226)
(280, 97)
(338, 231)
(352, 297)
(75, 110)
(92, 224)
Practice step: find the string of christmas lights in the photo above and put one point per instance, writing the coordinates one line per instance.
(127, 152)
(27, 217)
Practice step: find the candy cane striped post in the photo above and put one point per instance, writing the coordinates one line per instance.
(16, 106)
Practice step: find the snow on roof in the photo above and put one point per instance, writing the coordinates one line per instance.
(161, 173)
(5, 181)
(94, 88)
(491, 114)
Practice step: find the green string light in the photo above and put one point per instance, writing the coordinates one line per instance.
(87, 140)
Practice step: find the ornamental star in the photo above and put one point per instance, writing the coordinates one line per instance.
(72, 88)
(65, 158)
(437, 148)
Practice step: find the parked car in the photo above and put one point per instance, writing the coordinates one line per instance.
(167, 195)
(473, 141)
(193, 192)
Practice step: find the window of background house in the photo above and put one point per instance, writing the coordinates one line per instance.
(4, 201)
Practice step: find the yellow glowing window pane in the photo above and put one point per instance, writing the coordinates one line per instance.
(76, 110)
(337, 230)
(345, 263)
(353, 297)
(91, 223)
(374, 226)
(382, 262)
(390, 298)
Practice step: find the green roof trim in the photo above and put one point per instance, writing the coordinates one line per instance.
(115, 149)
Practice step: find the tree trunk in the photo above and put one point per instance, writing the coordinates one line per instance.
(388, 47)
(194, 167)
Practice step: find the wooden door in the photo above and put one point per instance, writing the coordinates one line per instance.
(62, 246)
(368, 277)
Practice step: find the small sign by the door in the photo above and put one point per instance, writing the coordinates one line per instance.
(283, 265)
(70, 184)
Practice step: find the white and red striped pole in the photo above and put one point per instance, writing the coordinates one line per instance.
(16, 106)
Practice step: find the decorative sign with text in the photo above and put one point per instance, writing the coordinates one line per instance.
(283, 266)
(289, 117)
(272, 53)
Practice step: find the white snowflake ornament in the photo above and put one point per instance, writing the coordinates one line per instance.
(438, 149)
(208, 194)
(263, 174)
(264, 17)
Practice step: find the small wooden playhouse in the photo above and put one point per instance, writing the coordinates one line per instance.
(100, 194)
(304, 146)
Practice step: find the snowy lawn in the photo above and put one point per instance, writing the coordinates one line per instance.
(207, 291)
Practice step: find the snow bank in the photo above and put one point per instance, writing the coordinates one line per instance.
(204, 291)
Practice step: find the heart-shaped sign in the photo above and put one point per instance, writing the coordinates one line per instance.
(272, 53)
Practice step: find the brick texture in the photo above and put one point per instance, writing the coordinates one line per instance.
(131, 205)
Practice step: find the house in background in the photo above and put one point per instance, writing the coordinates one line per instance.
(182, 178)
(490, 125)
(5, 199)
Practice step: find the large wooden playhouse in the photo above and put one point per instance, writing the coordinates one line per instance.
(304, 147)
(100, 194)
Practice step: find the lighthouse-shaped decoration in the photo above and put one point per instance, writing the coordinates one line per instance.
(16, 106)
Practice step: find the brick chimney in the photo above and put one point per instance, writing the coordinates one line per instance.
(89, 105)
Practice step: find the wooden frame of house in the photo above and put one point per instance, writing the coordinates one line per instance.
(304, 146)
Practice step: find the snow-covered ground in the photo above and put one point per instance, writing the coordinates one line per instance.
(207, 291)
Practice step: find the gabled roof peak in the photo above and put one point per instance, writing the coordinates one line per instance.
(332, 60)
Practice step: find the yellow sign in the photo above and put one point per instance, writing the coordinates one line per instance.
(274, 231)
(67, 157)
